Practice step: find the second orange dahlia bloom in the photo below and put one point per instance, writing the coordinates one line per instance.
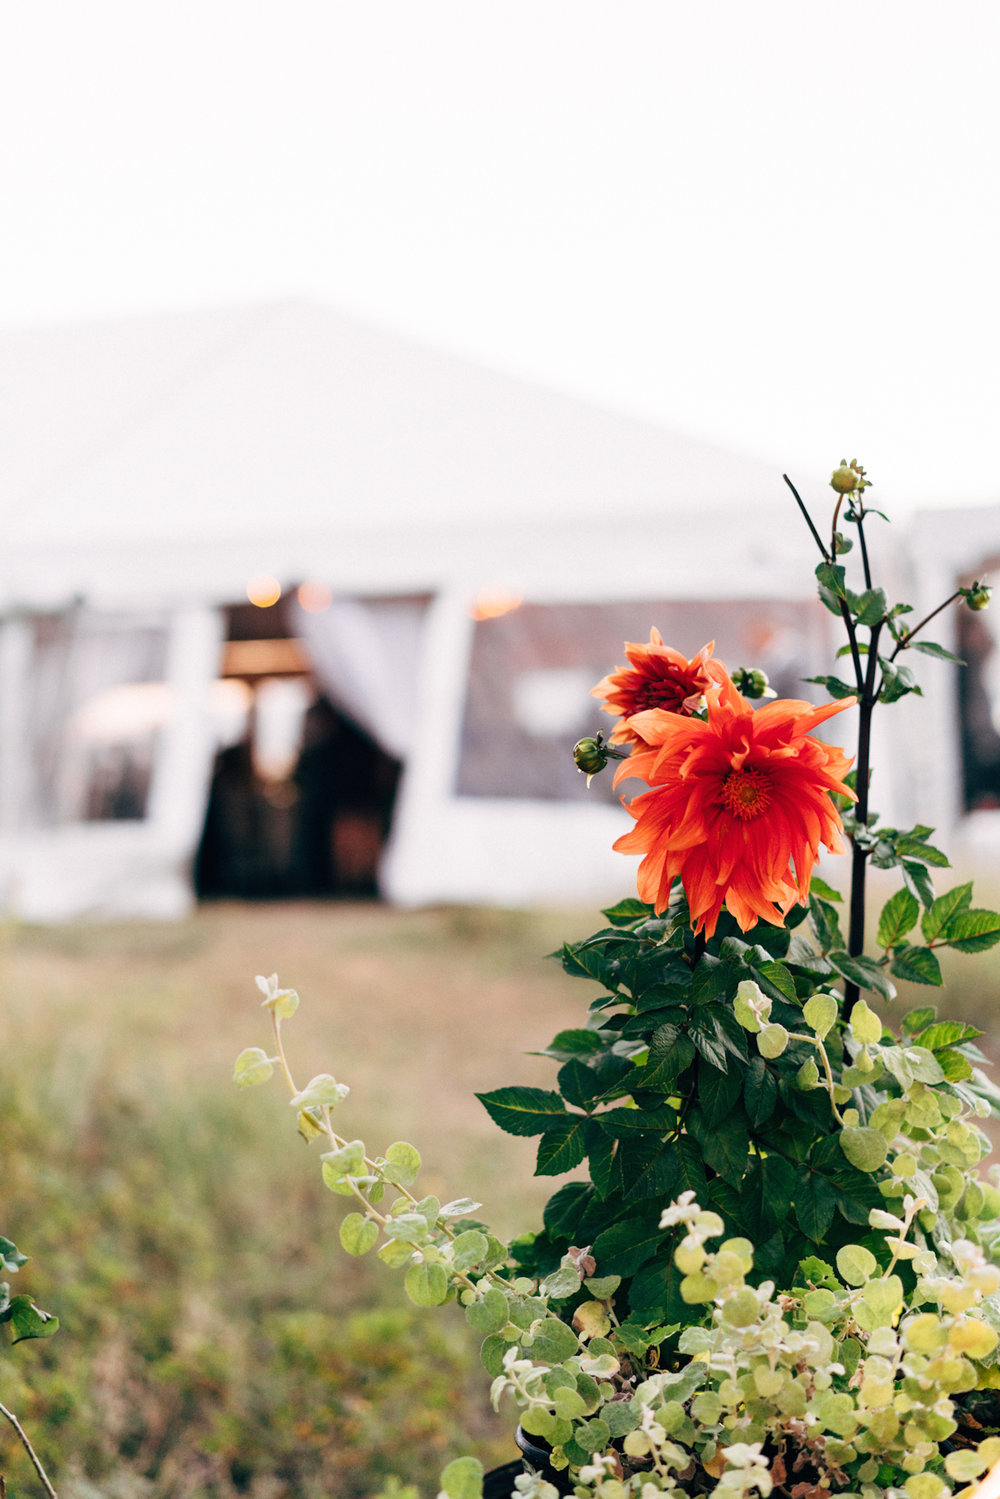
(657, 676)
(737, 807)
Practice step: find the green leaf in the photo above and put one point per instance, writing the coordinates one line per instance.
(865, 1024)
(835, 686)
(469, 1248)
(402, 1164)
(918, 881)
(823, 890)
(917, 965)
(863, 972)
(322, 1091)
(856, 1264)
(871, 606)
(947, 906)
(574, 1043)
(28, 1320)
(252, 1066)
(624, 1247)
(489, 1313)
(760, 1091)
(865, 1148)
(726, 1148)
(554, 1341)
(776, 978)
(931, 648)
(11, 1258)
(358, 1234)
(636, 1121)
(915, 1021)
(897, 681)
(627, 911)
(815, 1205)
(671, 1052)
(524, 1111)
(825, 922)
(562, 1148)
(427, 1285)
(832, 588)
(463, 1478)
(820, 1013)
(718, 1092)
(899, 916)
(921, 852)
(947, 1033)
(973, 931)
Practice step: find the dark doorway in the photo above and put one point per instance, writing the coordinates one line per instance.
(301, 798)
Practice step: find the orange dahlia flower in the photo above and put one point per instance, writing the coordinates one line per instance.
(738, 806)
(657, 677)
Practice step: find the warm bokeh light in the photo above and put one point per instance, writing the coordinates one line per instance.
(314, 596)
(263, 590)
(490, 603)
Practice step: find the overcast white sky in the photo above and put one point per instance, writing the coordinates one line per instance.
(774, 224)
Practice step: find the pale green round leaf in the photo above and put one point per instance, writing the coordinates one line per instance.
(964, 1465)
(402, 1164)
(856, 1264)
(468, 1249)
(864, 1147)
(358, 1234)
(865, 1024)
(820, 1012)
(772, 1041)
(426, 1285)
(321, 1091)
(252, 1066)
(808, 1075)
(463, 1479)
(489, 1312)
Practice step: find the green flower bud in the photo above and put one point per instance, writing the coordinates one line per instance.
(978, 596)
(751, 682)
(590, 755)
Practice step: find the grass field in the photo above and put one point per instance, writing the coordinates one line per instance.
(215, 1340)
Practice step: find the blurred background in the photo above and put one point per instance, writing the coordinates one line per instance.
(370, 375)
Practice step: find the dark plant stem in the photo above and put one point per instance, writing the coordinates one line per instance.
(864, 549)
(808, 518)
(908, 635)
(859, 853)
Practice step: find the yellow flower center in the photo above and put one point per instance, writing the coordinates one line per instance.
(746, 793)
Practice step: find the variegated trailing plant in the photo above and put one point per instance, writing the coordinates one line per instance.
(778, 1273)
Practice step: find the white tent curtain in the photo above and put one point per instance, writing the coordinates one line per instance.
(366, 656)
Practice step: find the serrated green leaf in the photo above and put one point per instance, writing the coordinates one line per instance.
(947, 1033)
(917, 880)
(899, 916)
(863, 972)
(562, 1148)
(815, 1205)
(973, 931)
(917, 965)
(624, 1247)
(524, 1111)
(915, 1021)
(760, 1091)
(823, 890)
(921, 852)
(947, 906)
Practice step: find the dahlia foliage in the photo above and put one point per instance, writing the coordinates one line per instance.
(739, 800)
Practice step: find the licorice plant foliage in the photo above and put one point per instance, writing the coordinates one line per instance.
(777, 1273)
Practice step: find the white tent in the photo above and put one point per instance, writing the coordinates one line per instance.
(151, 466)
